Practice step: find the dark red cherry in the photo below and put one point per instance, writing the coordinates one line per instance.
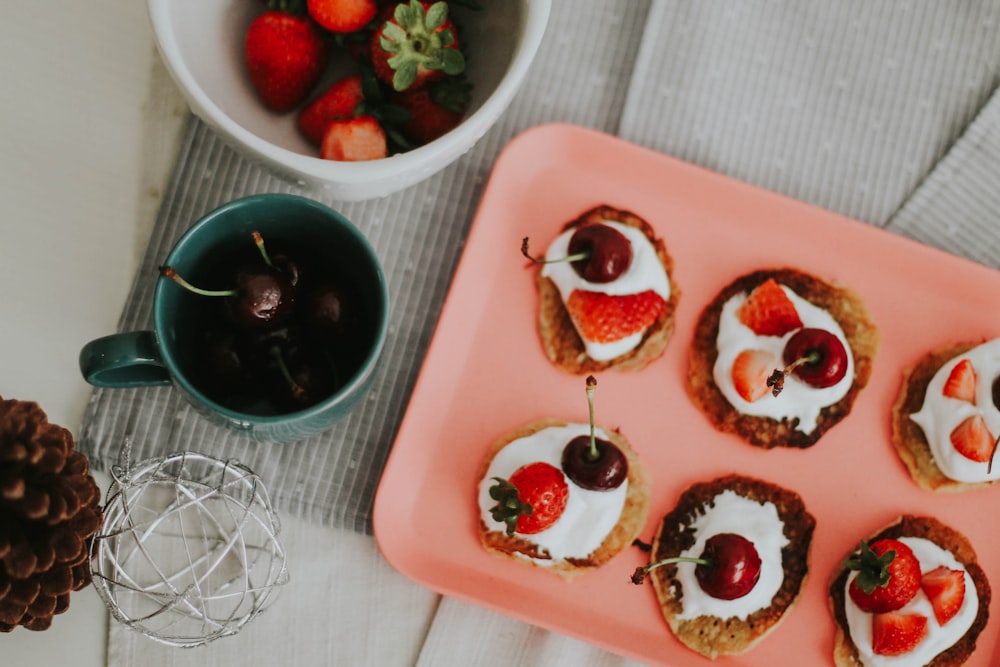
(264, 298)
(731, 568)
(329, 310)
(607, 470)
(608, 252)
(816, 357)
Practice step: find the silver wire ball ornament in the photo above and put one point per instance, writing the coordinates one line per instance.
(189, 550)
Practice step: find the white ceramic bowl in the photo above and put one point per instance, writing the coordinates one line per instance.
(201, 42)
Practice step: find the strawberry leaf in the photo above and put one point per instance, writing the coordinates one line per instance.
(509, 506)
(872, 569)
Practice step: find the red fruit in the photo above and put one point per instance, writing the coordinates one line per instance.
(888, 576)
(285, 55)
(354, 140)
(337, 103)
(768, 311)
(945, 588)
(342, 15)
(532, 499)
(961, 382)
(816, 357)
(751, 370)
(417, 44)
(894, 633)
(973, 440)
(435, 110)
(604, 318)
(733, 566)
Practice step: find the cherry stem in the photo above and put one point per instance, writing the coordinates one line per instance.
(989, 462)
(639, 576)
(170, 272)
(259, 242)
(295, 387)
(777, 379)
(591, 386)
(569, 258)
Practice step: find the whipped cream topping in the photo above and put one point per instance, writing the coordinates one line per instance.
(938, 638)
(589, 515)
(644, 273)
(940, 414)
(757, 522)
(797, 399)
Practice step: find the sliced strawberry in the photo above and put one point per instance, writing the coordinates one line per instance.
(768, 311)
(888, 576)
(353, 140)
(342, 16)
(945, 588)
(605, 318)
(531, 500)
(895, 633)
(751, 369)
(973, 440)
(338, 102)
(961, 382)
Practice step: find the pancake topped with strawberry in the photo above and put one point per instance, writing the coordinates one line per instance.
(779, 357)
(607, 297)
(912, 594)
(563, 496)
(946, 419)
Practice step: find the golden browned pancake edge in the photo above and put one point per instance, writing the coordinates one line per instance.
(630, 524)
(841, 302)
(708, 635)
(845, 653)
(907, 436)
(560, 340)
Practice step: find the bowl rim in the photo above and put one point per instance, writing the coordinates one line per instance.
(534, 22)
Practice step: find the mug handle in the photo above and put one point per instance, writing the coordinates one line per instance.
(129, 359)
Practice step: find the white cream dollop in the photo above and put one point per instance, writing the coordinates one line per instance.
(645, 272)
(589, 515)
(940, 414)
(757, 522)
(797, 399)
(938, 638)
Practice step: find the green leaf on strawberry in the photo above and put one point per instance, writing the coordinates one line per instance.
(416, 45)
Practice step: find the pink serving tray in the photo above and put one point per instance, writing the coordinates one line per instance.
(485, 373)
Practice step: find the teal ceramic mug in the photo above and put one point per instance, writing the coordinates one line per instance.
(281, 381)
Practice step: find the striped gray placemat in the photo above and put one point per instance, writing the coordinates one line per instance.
(886, 112)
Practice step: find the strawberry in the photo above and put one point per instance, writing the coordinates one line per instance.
(973, 440)
(751, 370)
(338, 102)
(945, 588)
(434, 109)
(895, 633)
(604, 318)
(531, 500)
(888, 576)
(354, 140)
(342, 16)
(768, 311)
(416, 44)
(285, 55)
(961, 382)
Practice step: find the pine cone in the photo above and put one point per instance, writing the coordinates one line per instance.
(49, 513)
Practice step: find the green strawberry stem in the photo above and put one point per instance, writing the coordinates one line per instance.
(259, 242)
(873, 570)
(639, 576)
(509, 506)
(170, 272)
(569, 258)
(777, 379)
(593, 455)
